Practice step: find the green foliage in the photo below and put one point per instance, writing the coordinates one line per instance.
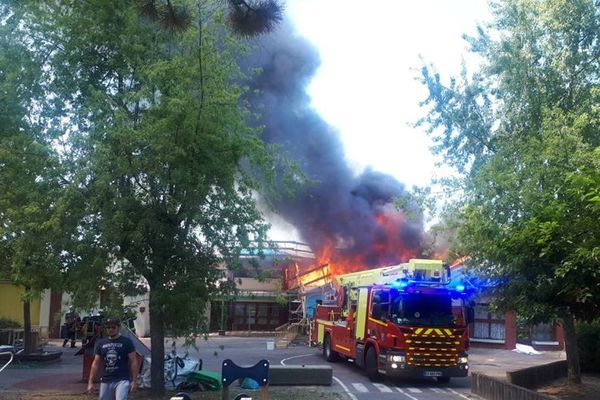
(29, 170)
(524, 130)
(160, 162)
(6, 323)
(588, 340)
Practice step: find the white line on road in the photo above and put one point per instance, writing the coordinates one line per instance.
(282, 362)
(459, 394)
(360, 387)
(406, 394)
(353, 397)
(415, 390)
(382, 388)
(437, 390)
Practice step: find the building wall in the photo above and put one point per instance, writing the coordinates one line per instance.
(511, 334)
(11, 305)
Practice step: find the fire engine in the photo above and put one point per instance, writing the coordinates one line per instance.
(407, 320)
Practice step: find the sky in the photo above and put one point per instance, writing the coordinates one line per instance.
(371, 53)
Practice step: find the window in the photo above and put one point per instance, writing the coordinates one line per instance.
(275, 309)
(488, 325)
(543, 333)
(263, 312)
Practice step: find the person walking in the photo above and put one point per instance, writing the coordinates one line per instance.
(115, 356)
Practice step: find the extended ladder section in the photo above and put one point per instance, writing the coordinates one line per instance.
(418, 270)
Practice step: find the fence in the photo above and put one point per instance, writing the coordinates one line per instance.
(533, 377)
(286, 333)
(493, 389)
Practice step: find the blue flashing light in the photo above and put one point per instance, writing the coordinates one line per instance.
(460, 288)
(401, 284)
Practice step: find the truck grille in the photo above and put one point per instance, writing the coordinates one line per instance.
(430, 347)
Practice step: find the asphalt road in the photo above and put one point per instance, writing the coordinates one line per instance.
(348, 378)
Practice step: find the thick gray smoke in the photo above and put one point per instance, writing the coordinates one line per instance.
(349, 212)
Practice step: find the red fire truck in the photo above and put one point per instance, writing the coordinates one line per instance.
(407, 320)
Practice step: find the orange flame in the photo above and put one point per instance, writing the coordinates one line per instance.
(387, 249)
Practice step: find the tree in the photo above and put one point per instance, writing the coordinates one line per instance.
(162, 160)
(29, 175)
(524, 131)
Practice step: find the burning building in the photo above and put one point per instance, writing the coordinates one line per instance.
(349, 221)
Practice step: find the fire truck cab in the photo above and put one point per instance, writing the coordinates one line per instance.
(405, 321)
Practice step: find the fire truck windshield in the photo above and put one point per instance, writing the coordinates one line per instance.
(422, 310)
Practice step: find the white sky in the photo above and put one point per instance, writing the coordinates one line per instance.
(366, 84)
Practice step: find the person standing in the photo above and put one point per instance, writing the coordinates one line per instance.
(115, 356)
(72, 322)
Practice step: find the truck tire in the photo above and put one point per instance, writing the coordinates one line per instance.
(329, 354)
(371, 365)
(443, 379)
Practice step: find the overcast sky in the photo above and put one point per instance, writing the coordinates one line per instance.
(366, 85)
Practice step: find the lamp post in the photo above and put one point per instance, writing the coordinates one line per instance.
(222, 327)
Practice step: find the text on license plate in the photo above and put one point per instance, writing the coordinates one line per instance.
(432, 373)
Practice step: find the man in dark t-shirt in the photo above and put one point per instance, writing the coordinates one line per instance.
(115, 357)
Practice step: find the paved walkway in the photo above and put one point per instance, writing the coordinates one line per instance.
(65, 376)
(496, 363)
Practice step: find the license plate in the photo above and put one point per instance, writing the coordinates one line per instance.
(432, 373)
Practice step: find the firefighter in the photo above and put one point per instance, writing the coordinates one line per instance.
(72, 322)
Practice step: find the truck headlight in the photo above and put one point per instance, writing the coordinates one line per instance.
(398, 359)
(463, 360)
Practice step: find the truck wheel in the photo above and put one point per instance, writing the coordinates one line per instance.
(443, 379)
(371, 365)
(328, 352)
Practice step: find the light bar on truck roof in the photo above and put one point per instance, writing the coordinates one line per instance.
(403, 284)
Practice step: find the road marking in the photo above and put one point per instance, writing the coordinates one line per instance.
(360, 387)
(352, 396)
(437, 390)
(382, 388)
(282, 362)
(415, 390)
(406, 394)
(459, 394)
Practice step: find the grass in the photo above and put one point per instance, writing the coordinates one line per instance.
(275, 393)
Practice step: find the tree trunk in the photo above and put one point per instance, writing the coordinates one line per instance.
(571, 349)
(27, 339)
(157, 344)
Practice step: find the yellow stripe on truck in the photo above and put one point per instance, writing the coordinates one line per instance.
(378, 321)
(320, 333)
(361, 313)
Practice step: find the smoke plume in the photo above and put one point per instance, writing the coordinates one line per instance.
(346, 219)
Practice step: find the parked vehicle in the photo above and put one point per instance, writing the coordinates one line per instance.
(407, 320)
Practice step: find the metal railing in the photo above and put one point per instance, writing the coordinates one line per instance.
(286, 333)
(12, 356)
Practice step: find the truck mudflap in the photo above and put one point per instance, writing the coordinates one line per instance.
(360, 355)
(394, 365)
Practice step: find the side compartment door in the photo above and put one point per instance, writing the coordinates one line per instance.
(361, 313)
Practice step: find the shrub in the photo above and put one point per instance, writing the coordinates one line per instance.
(6, 323)
(588, 340)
